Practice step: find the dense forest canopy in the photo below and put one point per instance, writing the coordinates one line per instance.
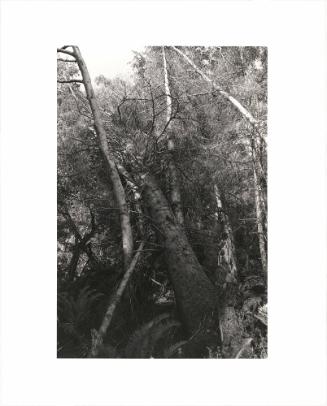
(162, 205)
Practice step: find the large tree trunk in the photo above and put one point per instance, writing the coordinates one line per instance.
(118, 189)
(196, 297)
(175, 193)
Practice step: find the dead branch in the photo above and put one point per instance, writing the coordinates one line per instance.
(70, 81)
(64, 51)
(66, 60)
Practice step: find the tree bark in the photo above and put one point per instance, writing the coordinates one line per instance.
(196, 297)
(231, 329)
(127, 237)
(97, 336)
(136, 198)
(226, 250)
(175, 193)
(260, 222)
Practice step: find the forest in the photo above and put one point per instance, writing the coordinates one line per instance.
(162, 205)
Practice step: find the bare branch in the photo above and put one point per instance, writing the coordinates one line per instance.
(245, 113)
(65, 60)
(64, 51)
(70, 81)
(89, 116)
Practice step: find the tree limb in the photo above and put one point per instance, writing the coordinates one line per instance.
(64, 51)
(65, 60)
(245, 113)
(119, 192)
(70, 81)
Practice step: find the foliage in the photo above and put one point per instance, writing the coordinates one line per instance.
(212, 147)
(74, 317)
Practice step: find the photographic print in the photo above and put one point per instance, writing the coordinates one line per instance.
(162, 204)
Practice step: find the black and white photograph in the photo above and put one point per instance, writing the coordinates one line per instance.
(163, 223)
(162, 205)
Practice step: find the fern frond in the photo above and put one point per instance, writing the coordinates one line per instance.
(157, 333)
(170, 351)
(140, 339)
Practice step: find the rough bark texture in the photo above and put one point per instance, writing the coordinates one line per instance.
(231, 328)
(196, 296)
(231, 332)
(118, 189)
(226, 249)
(175, 194)
(136, 198)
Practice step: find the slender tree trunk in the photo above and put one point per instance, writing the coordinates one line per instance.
(196, 296)
(97, 336)
(260, 221)
(245, 112)
(127, 237)
(260, 202)
(175, 194)
(136, 198)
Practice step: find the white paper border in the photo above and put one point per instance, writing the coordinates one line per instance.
(295, 373)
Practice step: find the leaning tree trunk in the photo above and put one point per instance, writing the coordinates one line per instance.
(196, 297)
(136, 198)
(175, 193)
(244, 111)
(118, 189)
(97, 336)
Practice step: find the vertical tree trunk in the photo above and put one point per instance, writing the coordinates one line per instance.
(226, 251)
(196, 296)
(175, 195)
(127, 237)
(231, 329)
(260, 221)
